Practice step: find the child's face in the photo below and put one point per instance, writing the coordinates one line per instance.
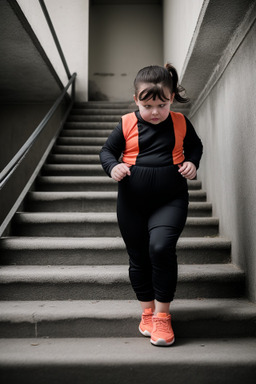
(154, 111)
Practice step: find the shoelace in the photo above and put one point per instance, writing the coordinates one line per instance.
(162, 325)
(147, 318)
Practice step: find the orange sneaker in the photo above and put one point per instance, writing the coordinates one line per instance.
(146, 324)
(162, 333)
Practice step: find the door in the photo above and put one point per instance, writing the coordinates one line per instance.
(124, 36)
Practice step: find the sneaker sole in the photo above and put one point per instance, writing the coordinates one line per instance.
(145, 333)
(162, 343)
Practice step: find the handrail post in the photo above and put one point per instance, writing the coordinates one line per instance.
(73, 91)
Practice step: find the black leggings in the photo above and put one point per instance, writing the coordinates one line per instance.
(152, 210)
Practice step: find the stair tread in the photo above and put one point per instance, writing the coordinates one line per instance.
(76, 179)
(68, 148)
(92, 195)
(102, 111)
(103, 118)
(102, 217)
(100, 242)
(77, 194)
(110, 274)
(90, 125)
(80, 131)
(90, 156)
(74, 166)
(76, 149)
(194, 185)
(126, 360)
(81, 141)
(181, 309)
(103, 104)
(128, 351)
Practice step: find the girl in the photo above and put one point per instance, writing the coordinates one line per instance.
(160, 150)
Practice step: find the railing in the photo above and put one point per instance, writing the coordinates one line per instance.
(16, 160)
(55, 38)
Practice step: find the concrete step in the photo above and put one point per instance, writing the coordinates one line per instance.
(100, 224)
(77, 149)
(75, 183)
(104, 104)
(81, 141)
(99, 111)
(90, 183)
(78, 132)
(94, 201)
(73, 159)
(72, 170)
(115, 318)
(126, 360)
(91, 361)
(111, 282)
(93, 170)
(103, 250)
(114, 118)
(91, 125)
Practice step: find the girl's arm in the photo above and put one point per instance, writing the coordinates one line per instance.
(112, 149)
(187, 170)
(193, 148)
(119, 171)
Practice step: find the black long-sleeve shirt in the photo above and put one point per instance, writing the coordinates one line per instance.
(155, 144)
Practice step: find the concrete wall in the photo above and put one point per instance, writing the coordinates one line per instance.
(179, 19)
(226, 122)
(123, 39)
(71, 23)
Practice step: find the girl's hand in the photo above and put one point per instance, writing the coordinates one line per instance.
(120, 171)
(188, 170)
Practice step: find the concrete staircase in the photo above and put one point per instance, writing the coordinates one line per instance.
(67, 311)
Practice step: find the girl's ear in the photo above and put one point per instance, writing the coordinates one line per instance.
(135, 99)
(172, 97)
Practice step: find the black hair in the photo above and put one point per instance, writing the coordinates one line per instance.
(161, 77)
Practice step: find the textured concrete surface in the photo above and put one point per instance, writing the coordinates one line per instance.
(225, 122)
(128, 360)
(95, 250)
(120, 318)
(214, 30)
(78, 224)
(112, 282)
(25, 72)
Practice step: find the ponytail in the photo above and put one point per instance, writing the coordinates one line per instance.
(177, 88)
(158, 77)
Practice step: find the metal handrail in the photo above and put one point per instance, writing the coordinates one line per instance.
(55, 38)
(13, 164)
